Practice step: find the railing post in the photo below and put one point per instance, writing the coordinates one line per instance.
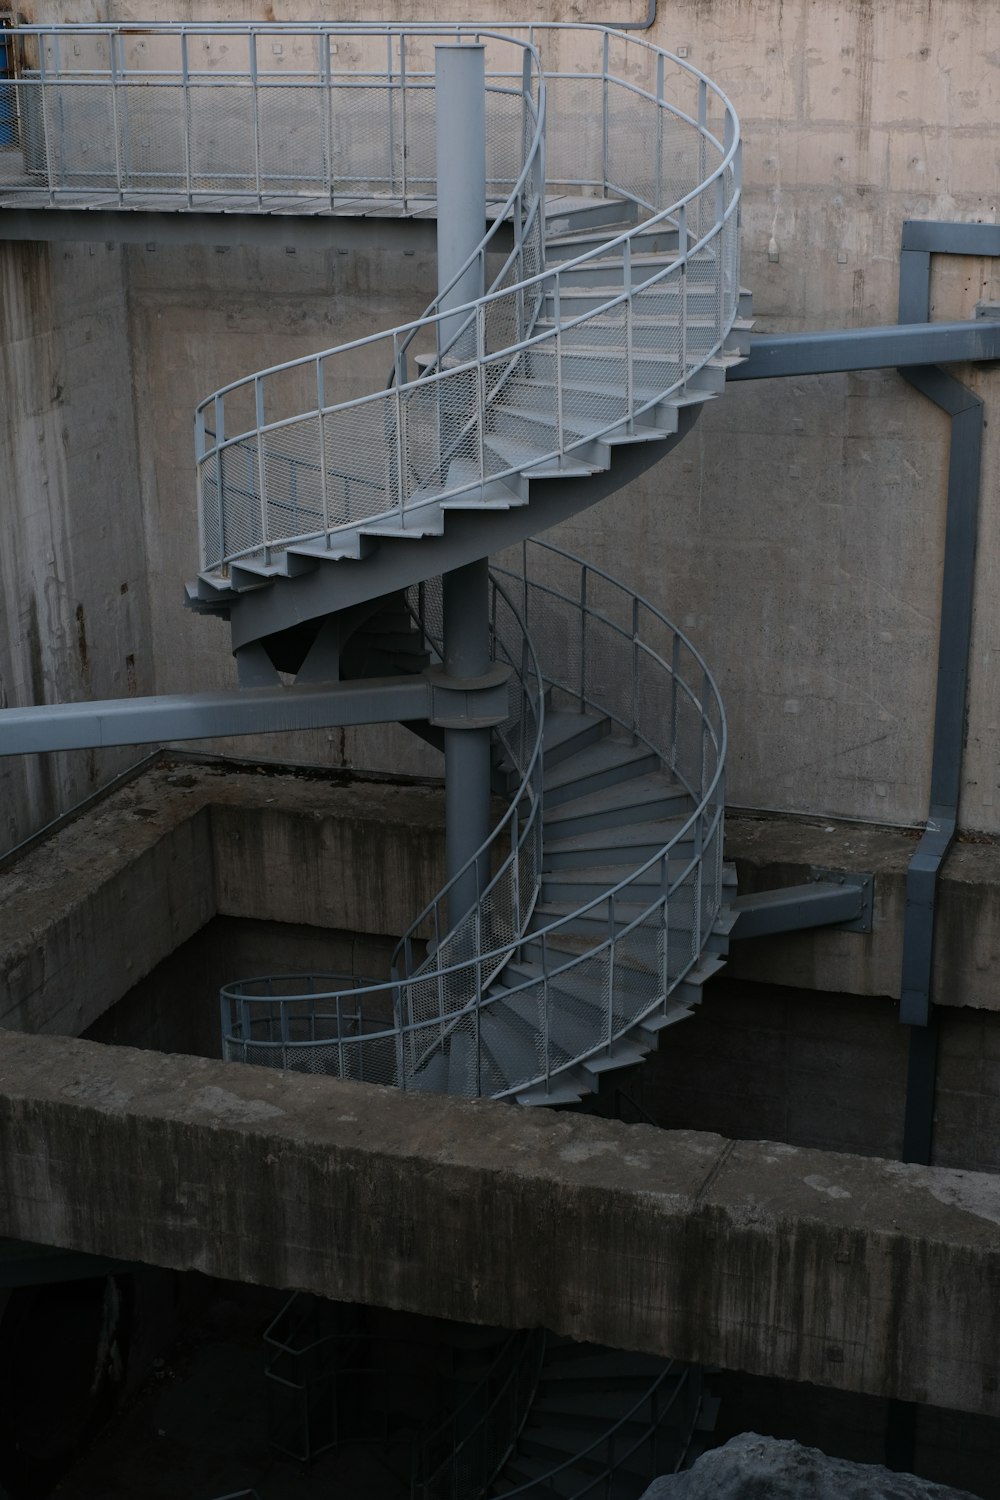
(256, 114)
(186, 100)
(324, 484)
(583, 638)
(682, 245)
(113, 41)
(557, 319)
(328, 93)
(629, 336)
(604, 109)
(635, 666)
(661, 116)
(403, 121)
(702, 148)
(220, 433)
(258, 390)
(43, 97)
(611, 969)
(665, 926)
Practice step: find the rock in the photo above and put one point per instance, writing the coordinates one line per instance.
(750, 1467)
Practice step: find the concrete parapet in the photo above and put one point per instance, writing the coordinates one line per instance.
(850, 1272)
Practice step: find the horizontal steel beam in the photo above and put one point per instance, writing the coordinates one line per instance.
(841, 901)
(200, 716)
(259, 230)
(839, 350)
(941, 237)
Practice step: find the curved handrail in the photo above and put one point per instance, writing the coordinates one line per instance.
(688, 1384)
(384, 456)
(659, 689)
(510, 1385)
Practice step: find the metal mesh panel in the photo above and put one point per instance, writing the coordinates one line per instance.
(221, 136)
(293, 479)
(574, 151)
(360, 455)
(239, 467)
(79, 126)
(292, 143)
(151, 134)
(632, 144)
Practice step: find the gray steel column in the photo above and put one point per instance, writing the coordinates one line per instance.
(466, 751)
(460, 82)
(460, 90)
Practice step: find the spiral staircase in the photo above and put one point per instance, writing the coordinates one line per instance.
(337, 491)
(597, 907)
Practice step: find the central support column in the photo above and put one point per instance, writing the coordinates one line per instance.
(466, 751)
(460, 82)
(460, 94)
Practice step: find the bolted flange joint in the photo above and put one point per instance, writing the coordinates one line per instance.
(469, 702)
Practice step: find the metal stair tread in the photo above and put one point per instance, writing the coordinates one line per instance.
(657, 831)
(652, 789)
(610, 753)
(563, 728)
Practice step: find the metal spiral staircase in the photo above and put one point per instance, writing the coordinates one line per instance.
(341, 498)
(588, 917)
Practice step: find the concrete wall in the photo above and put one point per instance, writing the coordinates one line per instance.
(801, 1264)
(74, 607)
(797, 533)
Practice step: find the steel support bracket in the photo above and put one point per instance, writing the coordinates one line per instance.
(830, 898)
(469, 702)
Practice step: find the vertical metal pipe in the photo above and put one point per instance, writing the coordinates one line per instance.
(466, 751)
(460, 84)
(460, 91)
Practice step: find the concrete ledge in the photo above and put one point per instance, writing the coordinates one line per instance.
(844, 1271)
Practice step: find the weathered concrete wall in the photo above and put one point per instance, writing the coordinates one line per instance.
(74, 619)
(801, 1264)
(797, 533)
(88, 913)
(176, 1007)
(198, 319)
(828, 1071)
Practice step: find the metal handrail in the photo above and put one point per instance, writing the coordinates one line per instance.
(607, 1437)
(522, 1350)
(397, 1052)
(401, 419)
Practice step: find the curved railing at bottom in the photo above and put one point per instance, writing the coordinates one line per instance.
(603, 647)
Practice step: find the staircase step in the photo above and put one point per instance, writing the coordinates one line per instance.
(609, 845)
(522, 1013)
(594, 1361)
(527, 458)
(641, 798)
(610, 761)
(583, 884)
(565, 733)
(568, 215)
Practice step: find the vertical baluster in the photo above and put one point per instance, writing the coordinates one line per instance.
(186, 102)
(254, 88)
(220, 433)
(114, 61)
(258, 390)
